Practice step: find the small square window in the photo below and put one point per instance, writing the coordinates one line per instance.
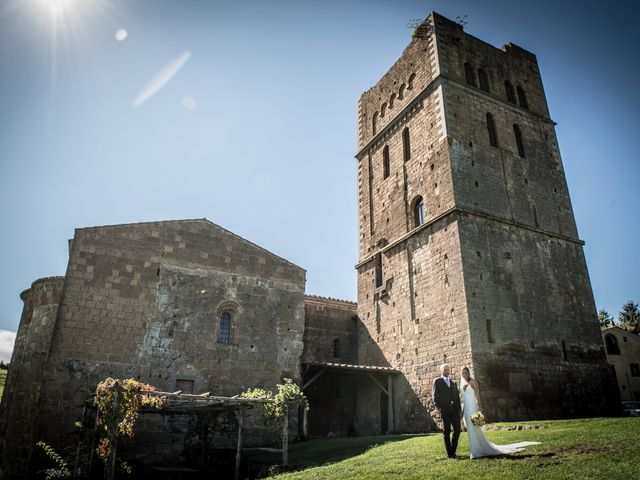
(186, 386)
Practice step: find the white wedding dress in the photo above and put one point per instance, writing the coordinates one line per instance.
(479, 446)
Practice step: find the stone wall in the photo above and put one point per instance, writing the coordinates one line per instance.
(497, 254)
(330, 333)
(623, 354)
(23, 384)
(144, 301)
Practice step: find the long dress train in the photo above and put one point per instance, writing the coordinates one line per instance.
(479, 446)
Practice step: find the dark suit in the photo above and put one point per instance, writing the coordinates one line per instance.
(447, 400)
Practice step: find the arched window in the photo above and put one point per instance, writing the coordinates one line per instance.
(383, 109)
(418, 212)
(386, 168)
(468, 73)
(410, 82)
(374, 122)
(401, 91)
(406, 145)
(508, 88)
(612, 344)
(518, 133)
(484, 80)
(224, 334)
(392, 99)
(491, 128)
(522, 98)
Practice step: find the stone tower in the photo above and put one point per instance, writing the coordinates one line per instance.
(468, 246)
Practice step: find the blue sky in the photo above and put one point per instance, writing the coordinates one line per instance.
(265, 143)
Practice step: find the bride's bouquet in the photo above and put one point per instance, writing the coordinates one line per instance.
(478, 418)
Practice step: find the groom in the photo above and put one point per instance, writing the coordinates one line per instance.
(447, 399)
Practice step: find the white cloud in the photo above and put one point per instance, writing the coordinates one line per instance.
(7, 339)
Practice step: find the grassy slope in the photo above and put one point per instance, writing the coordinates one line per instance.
(590, 448)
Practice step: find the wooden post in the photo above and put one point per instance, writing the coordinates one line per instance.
(239, 445)
(285, 437)
(77, 462)
(390, 418)
(110, 467)
(305, 422)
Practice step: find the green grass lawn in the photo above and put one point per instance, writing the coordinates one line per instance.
(600, 448)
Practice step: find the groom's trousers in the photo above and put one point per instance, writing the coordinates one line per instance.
(451, 420)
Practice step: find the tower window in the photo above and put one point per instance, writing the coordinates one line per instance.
(484, 80)
(491, 129)
(410, 82)
(418, 212)
(508, 88)
(612, 344)
(518, 133)
(392, 99)
(406, 145)
(401, 91)
(378, 263)
(489, 331)
(374, 123)
(522, 98)
(224, 334)
(385, 162)
(383, 109)
(468, 73)
(336, 348)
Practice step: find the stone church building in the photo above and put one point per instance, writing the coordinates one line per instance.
(468, 253)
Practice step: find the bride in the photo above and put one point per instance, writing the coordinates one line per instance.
(479, 446)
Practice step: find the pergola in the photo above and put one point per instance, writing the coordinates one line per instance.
(378, 375)
(179, 403)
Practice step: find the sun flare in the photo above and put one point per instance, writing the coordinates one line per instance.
(58, 7)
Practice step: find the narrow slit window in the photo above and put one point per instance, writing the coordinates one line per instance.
(336, 348)
(418, 212)
(374, 123)
(468, 73)
(224, 335)
(484, 80)
(489, 332)
(519, 141)
(386, 167)
(406, 145)
(508, 88)
(491, 129)
(522, 98)
(378, 261)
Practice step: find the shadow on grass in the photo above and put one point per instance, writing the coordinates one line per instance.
(312, 453)
(515, 456)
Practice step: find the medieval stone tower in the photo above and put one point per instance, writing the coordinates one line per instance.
(468, 246)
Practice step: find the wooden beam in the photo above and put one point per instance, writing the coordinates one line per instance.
(285, 437)
(239, 444)
(313, 379)
(378, 383)
(390, 417)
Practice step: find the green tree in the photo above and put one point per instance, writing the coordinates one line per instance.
(629, 317)
(605, 319)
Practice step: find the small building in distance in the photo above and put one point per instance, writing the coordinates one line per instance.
(623, 353)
